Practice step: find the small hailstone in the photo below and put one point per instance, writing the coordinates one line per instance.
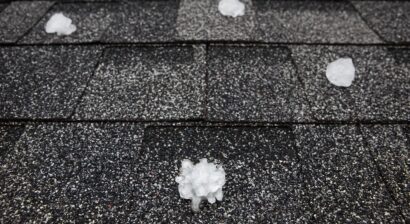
(200, 181)
(341, 72)
(60, 24)
(232, 8)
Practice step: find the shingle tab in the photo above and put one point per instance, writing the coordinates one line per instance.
(192, 21)
(259, 163)
(389, 18)
(43, 82)
(201, 20)
(72, 173)
(228, 28)
(379, 92)
(390, 148)
(19, 17)
(143, 21)
(311, 22)
(344, 183)
(147, 83)
(90, 19)
(252, 84)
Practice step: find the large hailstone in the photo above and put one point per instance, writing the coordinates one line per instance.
(200, 181)
(60, 24)
(232, 8)
(341, 72)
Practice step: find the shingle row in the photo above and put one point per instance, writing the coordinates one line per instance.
(190, 20)
(125, 172)
(222, 83)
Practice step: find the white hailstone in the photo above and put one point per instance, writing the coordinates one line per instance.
(60, 24)
(232, 8)
(200, 181)
(341, 72)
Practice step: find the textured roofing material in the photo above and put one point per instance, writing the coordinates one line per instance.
(94, 125)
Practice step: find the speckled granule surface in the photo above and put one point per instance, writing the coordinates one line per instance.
(143, 21)
(251, 84)
(43, 82)
(146, 83)
(312, 22)
(380, 90)
(391, 26)
(94, 125)
(342, 177)
(18, 17)
(9, 134)
(91, 21)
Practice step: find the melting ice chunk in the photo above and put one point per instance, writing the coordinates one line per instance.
(232, 8)
(200, 181)
(341, 72)
(60, 24)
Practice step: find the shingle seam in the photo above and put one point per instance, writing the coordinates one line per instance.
(35, 24)
(300, 80)
(302, 175)
(99, 60)
(367, 146)
(367, 23)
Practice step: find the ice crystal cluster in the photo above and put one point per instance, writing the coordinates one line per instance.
(202, 181)
(60, 24)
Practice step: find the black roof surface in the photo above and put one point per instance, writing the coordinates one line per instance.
(94, 125)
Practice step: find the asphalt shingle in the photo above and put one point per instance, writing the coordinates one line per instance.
(90, 19)
(149, 82)
(72, 173)
(192, 21)
(311, 22)
(9, 135)
(379, 92)
(201, 20)
(343, 181)
(3, 6)
(251, 84)
(143, 21)
(261, 168)
(390, 19)
(228, 28)
(43, 82)
(390, 148)
(19, 17)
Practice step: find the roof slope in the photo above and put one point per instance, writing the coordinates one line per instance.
(93, 126)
